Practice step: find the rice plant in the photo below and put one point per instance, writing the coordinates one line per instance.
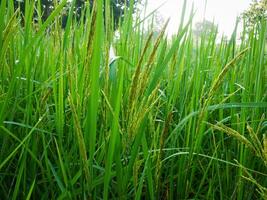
(179, 118)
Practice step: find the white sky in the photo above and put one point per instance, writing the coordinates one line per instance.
(223, 12)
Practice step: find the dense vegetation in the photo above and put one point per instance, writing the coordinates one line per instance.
(43, 8)
(257, 11)
(166, 119)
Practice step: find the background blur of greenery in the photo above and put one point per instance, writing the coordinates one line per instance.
(47, 6)
(256, 12)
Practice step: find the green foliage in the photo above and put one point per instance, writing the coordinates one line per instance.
(117, 7)
(255, 13)
(167, 119)
(204, 27)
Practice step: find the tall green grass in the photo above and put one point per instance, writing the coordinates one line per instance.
(180, 118)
